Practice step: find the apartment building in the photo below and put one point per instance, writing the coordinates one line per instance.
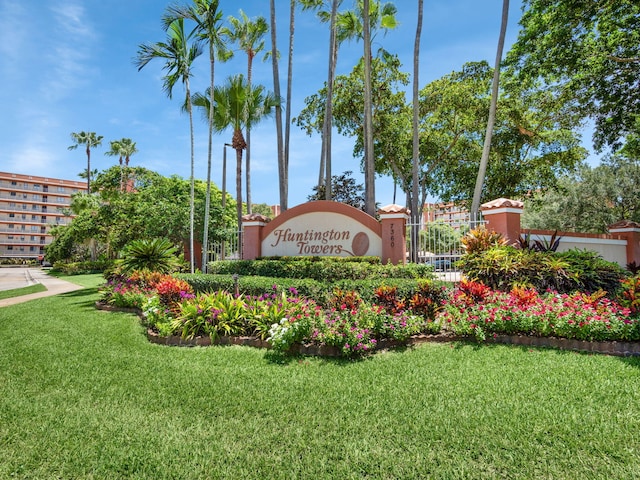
(29, 207)
(446, 212)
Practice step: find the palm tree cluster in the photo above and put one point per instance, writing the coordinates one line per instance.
(237, 105)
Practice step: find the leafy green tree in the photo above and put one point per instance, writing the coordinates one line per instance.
(534, 139)
(589, 201)
(89, 140)
(345, 190)
(179, 55)
(591, 52)
(156, 207)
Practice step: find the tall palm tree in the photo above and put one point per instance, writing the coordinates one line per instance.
(369, 167)
(335, 38)
(249, 35)
(209, 28)
(415, 210)
(484, 160)
(364, 23)
(123, 149)
(178, 53)
(90, 140)
(237, 106)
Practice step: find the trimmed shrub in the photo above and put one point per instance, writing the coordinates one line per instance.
(324, 269)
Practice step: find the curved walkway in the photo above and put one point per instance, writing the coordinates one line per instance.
(32, 276)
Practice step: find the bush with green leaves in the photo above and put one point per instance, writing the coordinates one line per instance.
(321, 292)
(503, 267)
(325, 269)
(83, 268)
(155, 255)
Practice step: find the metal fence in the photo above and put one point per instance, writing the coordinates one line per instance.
(228, 247)
(440, 241)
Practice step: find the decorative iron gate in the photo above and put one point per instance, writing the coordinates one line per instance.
(439, 241)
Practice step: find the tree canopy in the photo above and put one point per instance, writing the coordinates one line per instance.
(156, 207)
(590, 51)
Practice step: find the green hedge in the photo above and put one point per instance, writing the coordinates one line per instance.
(317, 290)
(81, 268)
(324, 269)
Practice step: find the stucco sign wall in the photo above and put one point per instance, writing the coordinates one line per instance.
(322, 234)
(327, 229)
(322, 229)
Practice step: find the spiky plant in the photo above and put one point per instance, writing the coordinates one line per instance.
(155, 255)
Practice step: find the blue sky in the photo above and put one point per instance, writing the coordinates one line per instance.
(67, 66)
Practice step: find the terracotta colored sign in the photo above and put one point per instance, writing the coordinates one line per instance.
(327, 233)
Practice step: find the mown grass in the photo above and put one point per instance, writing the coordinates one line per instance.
(18, 292)
(84, 395)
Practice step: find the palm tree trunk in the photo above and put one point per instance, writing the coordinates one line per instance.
(207, 200)
(287, 122)
(239, 195)
(283, 174)
(192, 179)
(248, 140)
(477, 193)
(369, 167)
(88, 170)
(415, 210)
(325, 160)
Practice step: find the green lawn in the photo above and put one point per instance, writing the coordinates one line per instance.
(18, 292)
(84, 395)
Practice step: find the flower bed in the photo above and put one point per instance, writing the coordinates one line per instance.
(348, 326)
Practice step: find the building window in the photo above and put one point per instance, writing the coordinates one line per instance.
(61, 189)
(14, 183)
(33, 217)
(34, 228)
(32, 238)
(33, 207)
(10, 247)
(12, 204)
(13, 194)
(11, 225)
(12, 215)
(36, 186)
(24, 206)
(35, 196)
(10, 237)
(32, 249)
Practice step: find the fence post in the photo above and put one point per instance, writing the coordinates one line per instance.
(503, 216)
(629, 231)
(252, 225)
(393, 219)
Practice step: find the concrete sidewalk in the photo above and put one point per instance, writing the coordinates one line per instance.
(54, 286)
